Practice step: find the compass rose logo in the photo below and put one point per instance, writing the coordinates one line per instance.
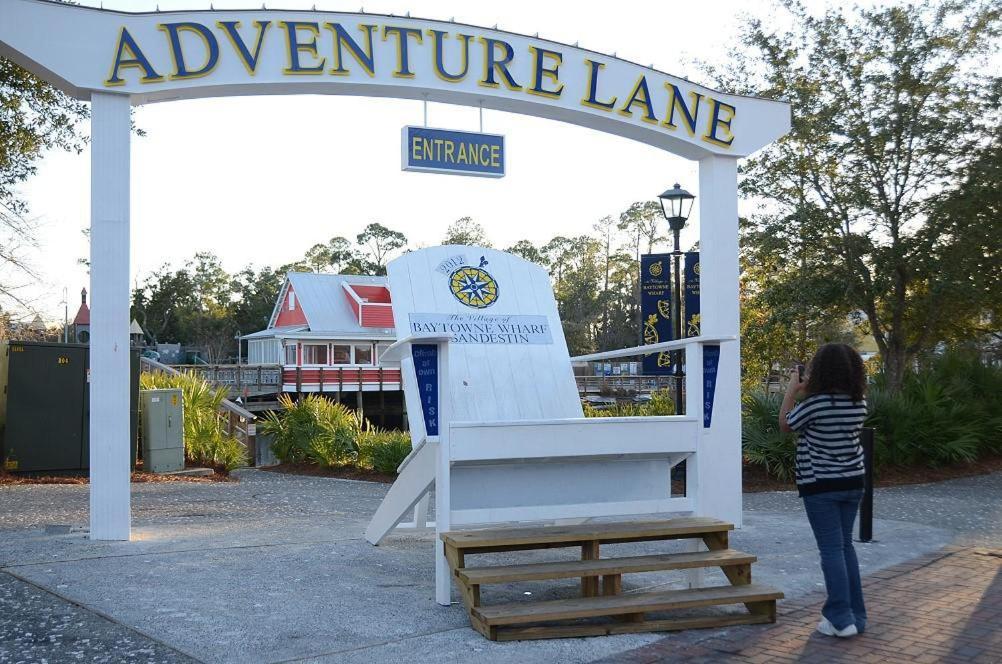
(474, 286)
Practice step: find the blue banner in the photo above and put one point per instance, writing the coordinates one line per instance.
(426, 369)
(711, 359)
(655, 310)
(691, 299)
(453, 152)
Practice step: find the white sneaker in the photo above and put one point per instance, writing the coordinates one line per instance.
(828, 629)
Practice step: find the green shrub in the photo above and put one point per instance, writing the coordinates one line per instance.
(205, 440)
(762, 443)
(662, 403)
(947, 412)
(314, 430)
(383, 450)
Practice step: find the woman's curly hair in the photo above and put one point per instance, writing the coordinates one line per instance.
(837, 369)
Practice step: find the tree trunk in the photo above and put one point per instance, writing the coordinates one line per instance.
(895, 366)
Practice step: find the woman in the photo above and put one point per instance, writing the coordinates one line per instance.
(829, 470)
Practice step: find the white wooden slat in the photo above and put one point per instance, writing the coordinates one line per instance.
(580, 438)
(491, 381)
(548, 512)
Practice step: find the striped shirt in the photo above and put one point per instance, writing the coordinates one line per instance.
(829, 456)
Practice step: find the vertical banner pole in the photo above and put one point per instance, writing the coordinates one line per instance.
(866, 506)
(110, 509)
(720, 448)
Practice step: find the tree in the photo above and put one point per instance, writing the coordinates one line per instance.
(606, 229)
(465, 231)
(336, 255)
(34, 118)
(528, 251)
(578, 291)
(379, 241)
(255, 292)
(643, 221)
(890, 105)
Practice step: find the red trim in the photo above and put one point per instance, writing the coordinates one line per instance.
(294, 317)
(311, 376)
(374, 294)
(377, 315)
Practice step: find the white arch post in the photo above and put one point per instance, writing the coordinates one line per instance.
(110, 503)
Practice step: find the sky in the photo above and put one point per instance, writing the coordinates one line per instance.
(261, 179)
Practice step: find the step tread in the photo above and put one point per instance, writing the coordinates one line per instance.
(565, 569)
(587, 532)
(609, 605)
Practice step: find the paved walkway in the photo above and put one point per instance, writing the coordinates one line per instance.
(942, 607)
(274, 569)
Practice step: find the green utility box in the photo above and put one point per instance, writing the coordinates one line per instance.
(45, 406)
(162, 414)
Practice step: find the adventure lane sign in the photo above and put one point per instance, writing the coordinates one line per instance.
(455, 152)
(162, 56)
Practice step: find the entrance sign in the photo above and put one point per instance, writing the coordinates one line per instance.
(117, 60)
(453, 152)
(484, 328)
(655, 310)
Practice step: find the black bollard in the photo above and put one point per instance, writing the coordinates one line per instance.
(866, 507)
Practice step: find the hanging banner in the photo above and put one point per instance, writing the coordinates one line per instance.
(452, 152)
(691, 300)
(655, 310)
(426, 369)
(711, 359)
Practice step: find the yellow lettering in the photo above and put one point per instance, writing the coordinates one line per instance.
(495, 156)
(675, 101)
(449, 148)
(719, 122)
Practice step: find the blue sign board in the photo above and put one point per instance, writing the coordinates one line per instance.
(691, 300)
(426, 368)
(453, 152)
(711, 358)
(655, 310)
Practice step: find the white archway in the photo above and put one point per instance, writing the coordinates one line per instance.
(117, 60)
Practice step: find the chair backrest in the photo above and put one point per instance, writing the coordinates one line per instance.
(508, 359)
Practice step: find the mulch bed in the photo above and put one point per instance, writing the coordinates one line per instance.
(138, 477)
(338, 472)
(756, 479)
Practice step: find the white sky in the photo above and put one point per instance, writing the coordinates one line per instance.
(261, 179)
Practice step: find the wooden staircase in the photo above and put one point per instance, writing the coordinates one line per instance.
(603, 608)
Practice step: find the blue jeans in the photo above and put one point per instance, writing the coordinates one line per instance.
(831, 515)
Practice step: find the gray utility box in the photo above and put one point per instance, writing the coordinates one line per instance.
(162, 414)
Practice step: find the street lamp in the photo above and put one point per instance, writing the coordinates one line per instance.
(676, 204)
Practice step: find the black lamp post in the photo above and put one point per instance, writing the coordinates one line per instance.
(676, 204)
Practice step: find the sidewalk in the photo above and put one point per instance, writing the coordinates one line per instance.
(940, 607)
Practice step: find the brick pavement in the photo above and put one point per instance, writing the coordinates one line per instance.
(941, 607)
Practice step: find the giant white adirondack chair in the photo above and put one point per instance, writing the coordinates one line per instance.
(496, 422)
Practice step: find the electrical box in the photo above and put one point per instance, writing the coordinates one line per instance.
(162, 414)
(45, 406)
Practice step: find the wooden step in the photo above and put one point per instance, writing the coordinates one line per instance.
(519, 633)
(604, 532)
(522, 613)
(567, 569)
